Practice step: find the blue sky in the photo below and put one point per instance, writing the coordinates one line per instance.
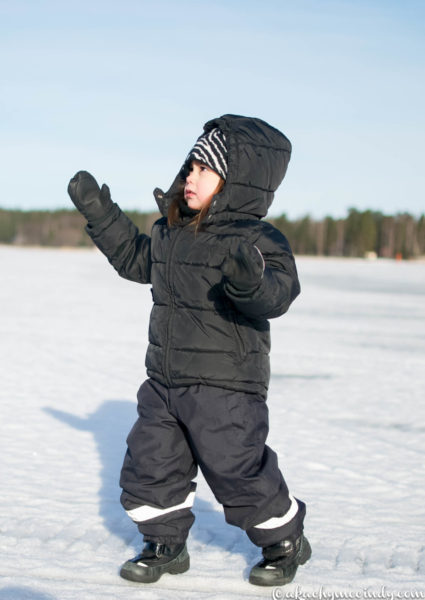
(122, 89)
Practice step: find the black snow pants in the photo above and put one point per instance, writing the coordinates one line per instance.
(224, 433)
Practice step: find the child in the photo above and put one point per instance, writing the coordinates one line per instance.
(218, 273)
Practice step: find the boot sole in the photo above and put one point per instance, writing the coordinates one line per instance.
(268, 577)
(134, 572)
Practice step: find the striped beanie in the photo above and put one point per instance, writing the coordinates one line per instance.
(210, 149)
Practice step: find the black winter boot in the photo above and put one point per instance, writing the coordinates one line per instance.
(154, 561)
(280, 562)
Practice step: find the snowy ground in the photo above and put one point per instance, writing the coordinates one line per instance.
(347, 419)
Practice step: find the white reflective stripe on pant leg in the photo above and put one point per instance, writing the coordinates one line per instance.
(275, 522)
(145, 512)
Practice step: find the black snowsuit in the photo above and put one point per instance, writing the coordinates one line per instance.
(208, 354)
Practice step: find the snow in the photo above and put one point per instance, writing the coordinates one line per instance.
(347, 419)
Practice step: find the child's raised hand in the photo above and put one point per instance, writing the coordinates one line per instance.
(91, 200)
(244, 269)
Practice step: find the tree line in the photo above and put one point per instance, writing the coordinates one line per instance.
(359, 234)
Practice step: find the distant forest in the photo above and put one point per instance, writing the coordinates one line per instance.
(359, 234)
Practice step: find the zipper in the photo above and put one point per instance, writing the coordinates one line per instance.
(239, 340)
(168, 279)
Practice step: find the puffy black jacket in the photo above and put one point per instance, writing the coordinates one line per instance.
(202, 331)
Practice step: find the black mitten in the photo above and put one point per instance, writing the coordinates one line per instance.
(92, 202)
(244, 269)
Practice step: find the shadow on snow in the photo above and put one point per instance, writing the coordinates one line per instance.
(110, 424)
(23, 593)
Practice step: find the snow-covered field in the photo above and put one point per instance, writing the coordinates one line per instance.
(347, 419)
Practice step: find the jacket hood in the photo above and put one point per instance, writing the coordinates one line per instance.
(258, 157)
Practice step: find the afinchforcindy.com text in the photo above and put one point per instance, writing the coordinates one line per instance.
(322, 593)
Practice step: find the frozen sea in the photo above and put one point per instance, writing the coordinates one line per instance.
(347, 420)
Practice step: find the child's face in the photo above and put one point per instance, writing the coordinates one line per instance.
(201, 185)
